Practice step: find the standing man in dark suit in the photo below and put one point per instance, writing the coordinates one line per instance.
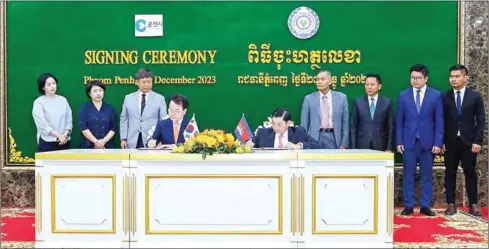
(372, 123)
(419, 135)
(281, 135)
(464, 130)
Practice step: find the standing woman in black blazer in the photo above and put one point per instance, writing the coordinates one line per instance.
(464, 130)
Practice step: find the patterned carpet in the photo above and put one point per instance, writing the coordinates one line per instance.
(458, 231)
(415, 231)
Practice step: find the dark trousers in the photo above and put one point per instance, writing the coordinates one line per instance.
(411, 157)
(140, 143)
(44, 146)
(453, 155)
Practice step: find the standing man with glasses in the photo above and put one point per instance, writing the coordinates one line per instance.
(464, 130)
(419, 135)
(372, 122)
(141, 110)
(169, 132)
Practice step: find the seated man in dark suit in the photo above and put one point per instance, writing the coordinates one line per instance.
(281, 136)
(170, 131)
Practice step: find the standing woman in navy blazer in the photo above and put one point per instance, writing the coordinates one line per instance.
(96, 119)
(170, 131)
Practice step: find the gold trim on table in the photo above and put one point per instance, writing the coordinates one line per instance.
(273, 155)
(381, 156)
(390, 205)
(82, 176)
(96, 155)
(38, 213)
(213, 176)
(352, 176)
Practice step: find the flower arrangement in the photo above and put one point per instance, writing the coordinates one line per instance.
(268, 124)
(209, 142)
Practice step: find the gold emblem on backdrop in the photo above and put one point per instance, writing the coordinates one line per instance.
(14, 155)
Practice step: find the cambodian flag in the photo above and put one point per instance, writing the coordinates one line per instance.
(242, 131)
(191, 129)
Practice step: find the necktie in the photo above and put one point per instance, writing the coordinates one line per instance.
(372, 108)
(176, 129)
(418, 107)
(143, 103)
(418, 100)
(459, 103)
(325, 112)
(280, 144)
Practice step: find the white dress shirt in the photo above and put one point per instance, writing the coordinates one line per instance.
(376, 97)
(140, 97)
(329, 99)
(421, 95)
(285, 139)
(462, 92)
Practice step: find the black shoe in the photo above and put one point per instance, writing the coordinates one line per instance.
(474, 210)
(427, 212)
(407, 211)
(451, 209)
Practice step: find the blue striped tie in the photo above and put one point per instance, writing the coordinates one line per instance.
(418, 100)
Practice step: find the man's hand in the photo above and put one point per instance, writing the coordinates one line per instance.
(165, 146)
(151, 143)
(436, 150)
(476, 148)
(390, 151)
(250, 143)
(400, 148)
(124, 144)
(342, 147)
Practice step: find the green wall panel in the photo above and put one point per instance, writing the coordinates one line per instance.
(54, 37)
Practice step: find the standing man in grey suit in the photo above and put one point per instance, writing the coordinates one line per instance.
(141, 111)
(325, 114)
(372, 122)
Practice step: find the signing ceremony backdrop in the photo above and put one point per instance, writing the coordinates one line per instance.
(228, 58)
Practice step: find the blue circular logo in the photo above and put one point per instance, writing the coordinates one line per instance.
(141, 25)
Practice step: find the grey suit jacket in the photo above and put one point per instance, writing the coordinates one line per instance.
(132, 122)
(311, 116)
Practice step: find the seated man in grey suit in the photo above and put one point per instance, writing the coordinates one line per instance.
(141, 110)
(281, 135)
(325, 114)
(372, 122)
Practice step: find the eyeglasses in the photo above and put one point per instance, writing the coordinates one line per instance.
(418, 78)
(174, 111)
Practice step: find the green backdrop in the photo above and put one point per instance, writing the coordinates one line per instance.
(53, 37)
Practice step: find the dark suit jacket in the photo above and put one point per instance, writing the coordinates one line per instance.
(379, 130)
(164, 131)
(428, 122)
(265, 138)
(470, 123)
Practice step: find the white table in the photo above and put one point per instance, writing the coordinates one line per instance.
(157, 199)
